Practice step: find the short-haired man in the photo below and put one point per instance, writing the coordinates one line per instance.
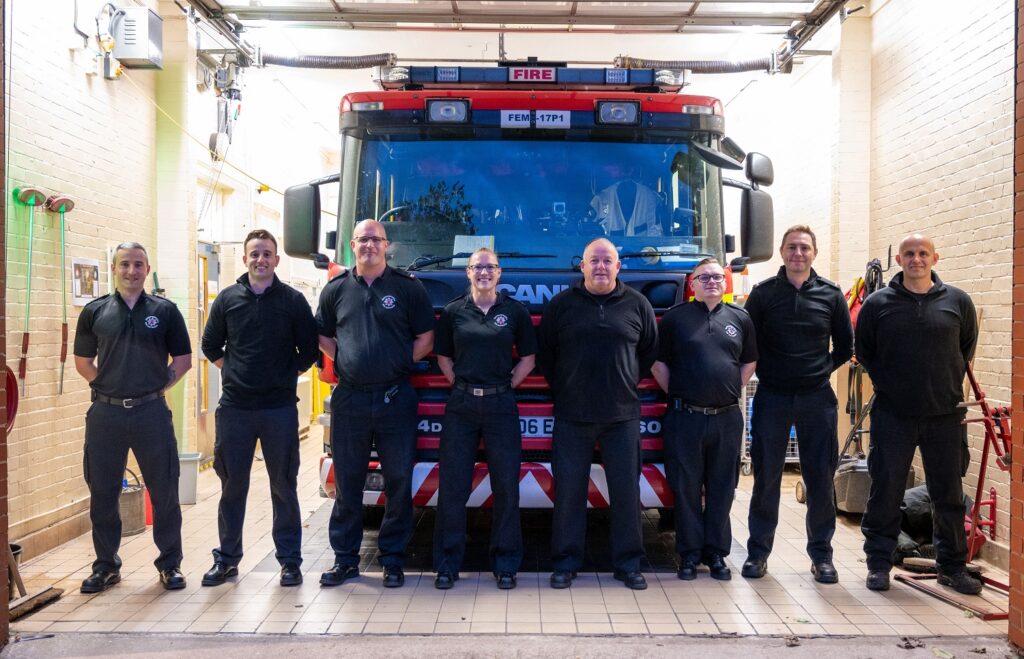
(261, 334)
(796, 313)
(707, 353)
(915, 338)
(376, 321)
(122, 347)
(596, 339)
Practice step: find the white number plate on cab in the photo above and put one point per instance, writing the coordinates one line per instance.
(553, 118)
(536, 426)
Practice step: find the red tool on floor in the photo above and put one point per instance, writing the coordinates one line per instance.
(998, 445)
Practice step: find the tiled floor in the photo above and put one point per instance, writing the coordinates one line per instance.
(787, 601)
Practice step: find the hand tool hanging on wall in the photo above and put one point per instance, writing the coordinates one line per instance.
(31, 197)
(61, 204)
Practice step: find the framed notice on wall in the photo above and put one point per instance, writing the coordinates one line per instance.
(85, 281)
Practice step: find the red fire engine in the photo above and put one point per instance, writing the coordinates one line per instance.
(534, 160)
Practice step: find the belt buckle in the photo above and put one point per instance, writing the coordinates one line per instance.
(477, 391)
(127, 403)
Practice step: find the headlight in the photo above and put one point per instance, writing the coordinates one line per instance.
(618, 112)
(448, 111)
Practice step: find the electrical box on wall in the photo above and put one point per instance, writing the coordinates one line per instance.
(138, 34)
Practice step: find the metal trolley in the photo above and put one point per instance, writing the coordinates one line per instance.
(792, 451)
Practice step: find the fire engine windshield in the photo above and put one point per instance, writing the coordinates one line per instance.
(543, 200)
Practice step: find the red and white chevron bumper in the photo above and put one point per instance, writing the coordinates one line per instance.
(536, 486)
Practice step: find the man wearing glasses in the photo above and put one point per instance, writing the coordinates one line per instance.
(376, 322)
(796, 313)
(596, 339)
(707, 352)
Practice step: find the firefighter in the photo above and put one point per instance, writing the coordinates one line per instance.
(122, 345)
(707, 353)
(474, 343)
(375, 321)
(596, 339)
(261, 333)
(915, 338)
(795, 314)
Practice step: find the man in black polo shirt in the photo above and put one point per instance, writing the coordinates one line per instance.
(375, 321)
(596, 339)
(477, 338)
(915, 338)
(707, 352)
(122, 346)
(796, 313)
(261, 333)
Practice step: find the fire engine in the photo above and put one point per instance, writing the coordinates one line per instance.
(534, 160)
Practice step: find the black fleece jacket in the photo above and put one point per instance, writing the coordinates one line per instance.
(916, 347)
(593, 350)
(266, 341)
(794, 326)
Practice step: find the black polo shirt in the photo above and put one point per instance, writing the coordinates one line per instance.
(704, 351)
(794, 327)
(480, 344)
(375, 326)
(131, 345)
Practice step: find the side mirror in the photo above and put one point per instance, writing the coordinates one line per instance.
(302, 221)
(758, 169)
(729, 242)
(757, 225)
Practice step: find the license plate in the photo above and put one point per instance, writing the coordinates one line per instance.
(536, 426)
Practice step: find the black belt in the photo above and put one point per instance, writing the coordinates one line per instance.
(680, 406)
(479, 390)
(127, 403)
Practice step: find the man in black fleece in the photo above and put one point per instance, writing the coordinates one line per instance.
(262, 334)
(596, 338)
(915, 338)
(796, 313)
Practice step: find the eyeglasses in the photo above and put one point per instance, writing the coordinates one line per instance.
(490, 267)
(717, 278)
(376, 240)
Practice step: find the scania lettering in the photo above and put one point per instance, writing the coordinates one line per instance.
(534, 162)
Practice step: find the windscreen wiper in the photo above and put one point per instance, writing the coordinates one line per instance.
(654, 252)
(423, 262)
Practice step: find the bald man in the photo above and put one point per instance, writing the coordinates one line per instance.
(915, 338)
(376, 322)
(596, 339)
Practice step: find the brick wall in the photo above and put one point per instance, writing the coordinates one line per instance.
(92, 140)
(1016, 621)
(790, 119)
(941, 150)
(5, 613)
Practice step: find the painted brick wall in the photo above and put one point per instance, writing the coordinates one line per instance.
(92, 140)
(1016, 621)
(772, 116)
(942, 109)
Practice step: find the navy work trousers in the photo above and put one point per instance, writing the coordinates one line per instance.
(893, 441)
(278, 433)
(110, 430)
(815, 415)
(572, 452)
(361, 420)
(467, 420)
(701, 461)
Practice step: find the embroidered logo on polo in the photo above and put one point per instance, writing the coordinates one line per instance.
(501, 320)
(152, 322)
(388, 301)
(731, 330)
